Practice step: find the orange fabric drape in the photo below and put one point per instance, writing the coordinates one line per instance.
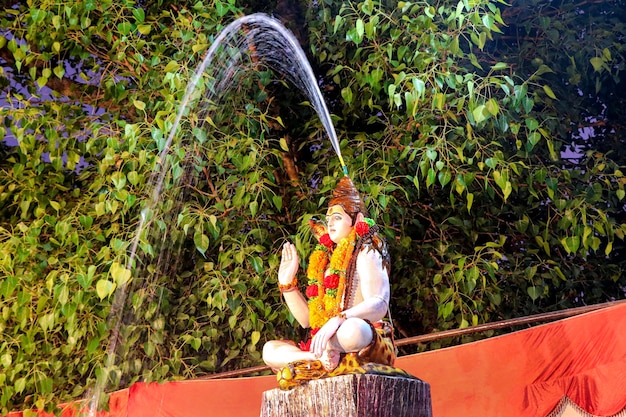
(239, 397)
(526, 373)
(118, 407)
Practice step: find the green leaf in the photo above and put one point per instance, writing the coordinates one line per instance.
(471, 276)
(470, 201)
(20, 385)
(44, 383)
(459, 9)
(144, 29)
(419, 86)
(42, 81)
(370, 27)
(6, 360)
(501, 178)
(480, 113)
(391, 89)
(56, 22)
(256, 336)
(195, 343)
(221, 8)
(125, 28)
(346, 94)
(37, 15)
(534, 292)
(439, 101)
(549, 92)
(283, 145)
(506, 192)
(360, 29)
(383, 200)
(444, 177)
(139, 14)
(201, 241)
(93, 344)
(120, 274)
(571, 244)
(597, 63)
(411, 103)
(104, 288)
(339, 20)
(459, 184)
(213, 221)
(59, 71)
(482, 40)
(140, 105)
(531, 123)
(172, 66)
(133, 177)
(430, 179)
(492, 107)
(83, 280)
(257, 264)
(431, 154)
(278, 202)
(352, 36)
(118, 179)
(447, 309)
(543, 68)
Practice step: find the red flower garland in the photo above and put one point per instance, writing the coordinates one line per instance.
(312, 291)
(305, 346)
(362, 228)
(329, 285)
(331, 281)
(327, 241)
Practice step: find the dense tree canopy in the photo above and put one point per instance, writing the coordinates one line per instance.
(488, 137)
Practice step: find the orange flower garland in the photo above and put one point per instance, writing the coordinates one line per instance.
(326, 292)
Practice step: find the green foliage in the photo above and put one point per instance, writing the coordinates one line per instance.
(453, 131)
(72, 191)
(462, 155)
(580, 43)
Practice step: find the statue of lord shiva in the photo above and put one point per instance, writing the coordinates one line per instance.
(346, 302)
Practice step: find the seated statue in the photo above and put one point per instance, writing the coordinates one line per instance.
(347, 298)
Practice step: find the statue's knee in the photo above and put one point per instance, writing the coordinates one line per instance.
(354, 334)
(268, 349)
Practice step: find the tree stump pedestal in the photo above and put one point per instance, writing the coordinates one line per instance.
(351, 396)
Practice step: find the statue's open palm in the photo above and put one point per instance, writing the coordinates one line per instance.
(289, 264)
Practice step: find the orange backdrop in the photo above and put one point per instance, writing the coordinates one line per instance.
(525, 373)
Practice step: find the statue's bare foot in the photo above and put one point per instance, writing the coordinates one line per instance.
(330, 359)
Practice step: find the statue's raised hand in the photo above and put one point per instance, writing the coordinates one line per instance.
(289, 264)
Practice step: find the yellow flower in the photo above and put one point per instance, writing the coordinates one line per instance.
(324, 306)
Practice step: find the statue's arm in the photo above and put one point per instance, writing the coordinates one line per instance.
(287, 272)
(298, 306)
(374, 282)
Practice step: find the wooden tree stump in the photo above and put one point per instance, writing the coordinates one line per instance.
(351, 396)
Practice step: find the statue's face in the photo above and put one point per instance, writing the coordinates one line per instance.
(339, 223)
